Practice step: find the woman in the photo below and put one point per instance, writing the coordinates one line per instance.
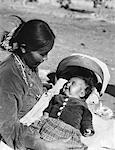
(20, 86)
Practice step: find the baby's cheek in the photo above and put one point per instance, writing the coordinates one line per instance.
(75, 90)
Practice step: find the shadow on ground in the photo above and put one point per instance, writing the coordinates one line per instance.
(81, 11)
(77, 10)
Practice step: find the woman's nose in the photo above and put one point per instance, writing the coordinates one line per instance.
(45, 57)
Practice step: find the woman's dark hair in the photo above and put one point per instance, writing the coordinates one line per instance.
(35, 34)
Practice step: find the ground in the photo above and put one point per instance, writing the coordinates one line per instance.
(73, 35)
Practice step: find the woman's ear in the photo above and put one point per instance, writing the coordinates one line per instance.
(15, 46)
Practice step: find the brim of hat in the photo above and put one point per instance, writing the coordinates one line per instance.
(71, 67)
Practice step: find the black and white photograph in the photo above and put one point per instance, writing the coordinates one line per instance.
(57, 74)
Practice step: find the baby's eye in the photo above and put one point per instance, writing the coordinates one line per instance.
(74, 83)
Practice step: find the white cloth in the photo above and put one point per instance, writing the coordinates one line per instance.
(3, 146)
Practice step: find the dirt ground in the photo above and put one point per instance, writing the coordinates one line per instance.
(83, 34)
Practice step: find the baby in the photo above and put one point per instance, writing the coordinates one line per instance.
(67, 116)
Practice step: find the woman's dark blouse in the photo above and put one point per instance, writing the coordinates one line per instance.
(75, 113)
(16, 99)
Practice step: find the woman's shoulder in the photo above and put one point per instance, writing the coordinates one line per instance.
(8, 72)
(7, 67)
(6, 64)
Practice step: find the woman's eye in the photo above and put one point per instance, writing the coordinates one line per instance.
(44, 54)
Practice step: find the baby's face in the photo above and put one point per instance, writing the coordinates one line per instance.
(77, 87)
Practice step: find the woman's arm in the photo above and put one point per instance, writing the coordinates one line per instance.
(14, 133)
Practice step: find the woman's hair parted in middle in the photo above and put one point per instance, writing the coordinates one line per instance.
(35, 34)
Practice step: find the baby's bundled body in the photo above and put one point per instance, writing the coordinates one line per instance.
(67, 115)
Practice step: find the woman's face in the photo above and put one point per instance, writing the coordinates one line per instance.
(33, 59)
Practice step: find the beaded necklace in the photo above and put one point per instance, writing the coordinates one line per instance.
(23, 68)
(24, 71)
